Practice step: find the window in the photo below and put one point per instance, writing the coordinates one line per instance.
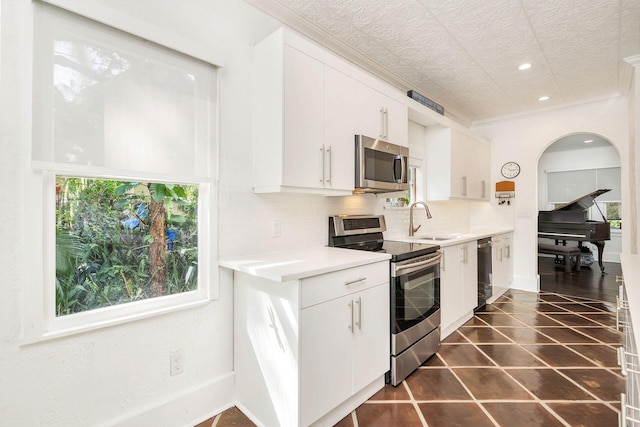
(612, 210)
(416, 180)
(124, 143)
(566, 186)
(119, 242)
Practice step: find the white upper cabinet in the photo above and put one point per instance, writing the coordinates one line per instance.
(308, 105)
(339, 130)
(380, 116)
(303, 105)
(457, 165)
(294, 96)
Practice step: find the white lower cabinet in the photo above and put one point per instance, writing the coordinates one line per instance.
(458, 285)
(502, 262)
(308, 352)
(341, 349)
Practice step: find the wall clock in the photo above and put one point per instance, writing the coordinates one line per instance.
(510, 170)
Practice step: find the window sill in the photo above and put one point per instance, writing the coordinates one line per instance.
(71, 331)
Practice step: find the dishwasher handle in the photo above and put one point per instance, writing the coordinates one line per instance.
(484, 245)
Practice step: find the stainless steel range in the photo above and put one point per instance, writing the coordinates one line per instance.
(415, 289)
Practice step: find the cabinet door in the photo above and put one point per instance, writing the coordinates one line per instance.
(369, 112)
(380, 116)
(470, 291)
(503, 261)
(508, 259)
(303, 99)
(339, 129)
(326, 342)
(397, 119)
(498, 272)
(482, 172)
(460, 159)
(372, 334)
(450, 286)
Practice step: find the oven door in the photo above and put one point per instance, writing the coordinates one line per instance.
(415, 299)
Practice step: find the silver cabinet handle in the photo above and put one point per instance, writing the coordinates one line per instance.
(617, 312)
(330, 162)
(501, 254)
(351, 282)
(382, 122)
(351, 308)
(359, 322)
(464, 185)
(322, 172)
(622, 361)
(484, 188)
(386, 123)
(465, 254)
(508, 251)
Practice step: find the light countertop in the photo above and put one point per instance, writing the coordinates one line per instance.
(631, 272)
(297, 264)
(446, 238)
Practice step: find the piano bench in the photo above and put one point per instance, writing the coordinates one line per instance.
(566, 251)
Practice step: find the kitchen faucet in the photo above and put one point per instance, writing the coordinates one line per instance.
(426, 208)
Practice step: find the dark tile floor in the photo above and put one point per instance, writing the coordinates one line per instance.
(527, 360)
(586, 283)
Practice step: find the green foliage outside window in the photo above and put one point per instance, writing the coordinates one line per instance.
(613, 214)
(119, 241)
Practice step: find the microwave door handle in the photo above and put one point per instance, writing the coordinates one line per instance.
(402, 169)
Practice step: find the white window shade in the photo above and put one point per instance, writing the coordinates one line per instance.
(609, 178)
(569, 185)
(565, 186)
(119, 102)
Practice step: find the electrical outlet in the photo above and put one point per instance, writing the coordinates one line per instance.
(177, 362)
(276, 228)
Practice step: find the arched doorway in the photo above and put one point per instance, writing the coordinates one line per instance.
(573, 166)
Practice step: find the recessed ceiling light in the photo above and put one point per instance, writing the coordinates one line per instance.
(587, 141)
(543, 98)
(524, 66)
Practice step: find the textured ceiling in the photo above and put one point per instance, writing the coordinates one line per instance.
(464, 54)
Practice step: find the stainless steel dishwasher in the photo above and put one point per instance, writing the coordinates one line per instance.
(484, 272)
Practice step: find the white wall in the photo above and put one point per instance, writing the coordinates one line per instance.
(121, 373)
(523, 140)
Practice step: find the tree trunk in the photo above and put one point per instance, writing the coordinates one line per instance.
(158, 249)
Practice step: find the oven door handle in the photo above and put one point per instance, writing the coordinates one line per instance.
(422, 264)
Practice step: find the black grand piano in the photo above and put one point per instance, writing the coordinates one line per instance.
(569, 222)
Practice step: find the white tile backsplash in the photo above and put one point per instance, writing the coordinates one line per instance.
(246, 219)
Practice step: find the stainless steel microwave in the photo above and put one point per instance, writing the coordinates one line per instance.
(380, 166)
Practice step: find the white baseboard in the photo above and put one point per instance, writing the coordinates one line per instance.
(185, 408)
(526, 283)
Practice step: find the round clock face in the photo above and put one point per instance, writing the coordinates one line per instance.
(510, 170)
